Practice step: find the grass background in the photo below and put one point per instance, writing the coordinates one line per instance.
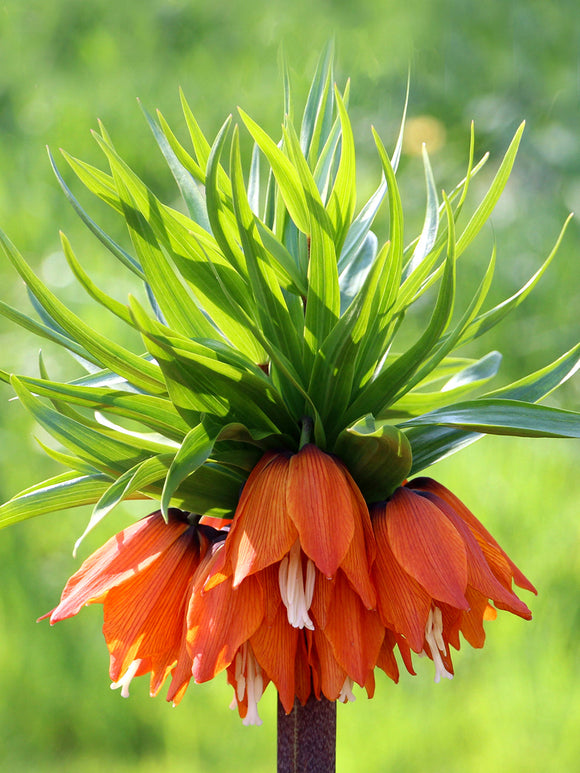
(515, 706)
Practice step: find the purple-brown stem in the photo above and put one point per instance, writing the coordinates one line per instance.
(307, 737)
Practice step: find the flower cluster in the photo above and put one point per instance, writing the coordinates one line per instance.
(309, 588)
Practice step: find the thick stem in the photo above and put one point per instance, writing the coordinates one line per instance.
(307, 737)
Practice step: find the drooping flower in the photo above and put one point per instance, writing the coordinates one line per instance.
(437, 570)
(143, 577)
(301, 519)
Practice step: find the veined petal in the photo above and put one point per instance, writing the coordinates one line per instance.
(472, 620)
(330, 674)
(128, 552)
(427, 546)
(362, 550)
(320, 505)
(479, 574)
(305, 678)
(402, 602)
(356, 634)
(480, 532)
(262, 532)
(274, 646)
(219, 621)
(144, 616)
(386, 659)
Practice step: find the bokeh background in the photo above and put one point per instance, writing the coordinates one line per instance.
(515, 706)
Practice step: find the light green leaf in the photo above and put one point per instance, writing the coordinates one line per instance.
(193, 452)
(428, 235)
(413, 402)
(342, 199)
(191, 194)
(504, 417)
(317, 117)
(484, 210)
(104, 452)
(121, 255)
(489, 319)
(285, 173)
(58, 493)
(134, 480)
(139, 371)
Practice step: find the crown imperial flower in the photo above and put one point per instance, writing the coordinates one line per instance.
(276, 419)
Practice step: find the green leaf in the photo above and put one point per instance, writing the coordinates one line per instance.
(413, 402)
(193, 452)
(157, 413)
(44, 331)
(352, 278)
(285, 173)
(139, 371)
(323, 299)
(106, 453)
(504, 417)
(121, 255)
(542, 382)
(432, 443)
(317, 117)
(135, 479)
(118, 309)
(201, 379)
(374, 344)
(272, 310)
(342, 200)
(58, 493)
(378, 394)
(484, 210)
(201, 146)
(191, 194)
(489, 319)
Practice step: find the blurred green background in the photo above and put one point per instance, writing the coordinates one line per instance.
(515, 706)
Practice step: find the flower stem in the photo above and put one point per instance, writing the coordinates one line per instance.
(306, 433)
(307, 737)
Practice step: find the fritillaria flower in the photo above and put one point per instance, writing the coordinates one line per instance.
(275, 418)
(143, 577)
(437, 570)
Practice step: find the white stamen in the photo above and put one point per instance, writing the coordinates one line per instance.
(126, 679)
(434, 638)
(249, 682)
(346, 693)
(296, 594)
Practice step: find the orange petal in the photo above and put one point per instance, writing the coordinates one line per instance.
(362, 550)
(472, 620)
(323, 592)
(262, 532)
(332, 676)
(386, 659)
(130, 551)
(479, 574)
(144, 617)
(481, 533)
(274, 646)
(427, 546)
(403, 603)
(319, 502)
(355, 633)
(219, 621)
